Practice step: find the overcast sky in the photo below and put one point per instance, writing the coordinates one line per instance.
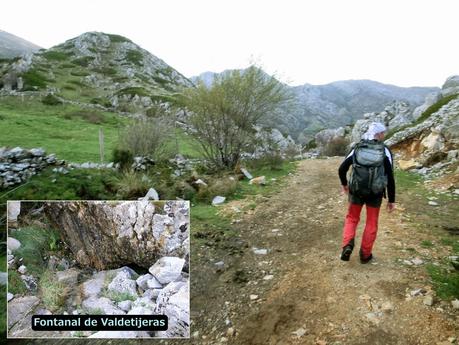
(401, 42)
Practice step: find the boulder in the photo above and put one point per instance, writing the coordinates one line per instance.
(13, 244)
(125, 305)
(218, 200)
(143, 280)
(93, 286)
(9, 296)
(407, 164)
(261, 180)
(174, 302)
(21, 307)
(101, 304)
(123, 283)
(152, 194)
(68, 277)
(167, 269)
(14, 209)
(22, 269)
(3, 278)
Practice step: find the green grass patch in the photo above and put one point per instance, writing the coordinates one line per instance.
(78, 184)
(435, 107)
(35, 242)
(108, 71)
(427, 244)
(446, 283)
(117, 296)
(15, 284)
(52, 292)
(31, 124)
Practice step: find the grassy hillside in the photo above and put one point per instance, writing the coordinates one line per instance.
(72, 133)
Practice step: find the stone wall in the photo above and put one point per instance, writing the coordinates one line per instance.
(17, 165)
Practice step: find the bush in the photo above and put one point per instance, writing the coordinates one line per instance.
(50, 99)
(135, 57)
(123, 157)
(79, 73)
(132, 91)
(148, 138)
(55, 55)
(34, 79)
(83, 61)
(336, 147)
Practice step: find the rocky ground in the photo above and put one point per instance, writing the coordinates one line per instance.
(280, 280)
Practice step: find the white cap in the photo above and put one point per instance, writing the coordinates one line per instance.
(373, 129)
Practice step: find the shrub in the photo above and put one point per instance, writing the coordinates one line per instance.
(117, 38)
(147, 138)
(336, 147)
(15, 284)
(101, 101)
(79, 73)
(50, 99)
(55, 55)
(140, 91)
(83, 61)
(123, 157)
(34, 79)
(135, 57)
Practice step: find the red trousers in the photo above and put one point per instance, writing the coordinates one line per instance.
(371, 227)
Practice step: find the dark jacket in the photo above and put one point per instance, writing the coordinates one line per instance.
(388, 168)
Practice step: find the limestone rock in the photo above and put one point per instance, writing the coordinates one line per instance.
(103, 304)
(218, 200)
(20, 307)
(174, 302)
(143, 280)
(125, 305)
(14, 209)
(407, 164)
(13, 244)
(68, 277)
(123, 283)
(261, 180)
(167, 269)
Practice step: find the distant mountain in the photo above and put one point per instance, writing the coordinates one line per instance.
(99, 68)
(336, 104)
(12, 46)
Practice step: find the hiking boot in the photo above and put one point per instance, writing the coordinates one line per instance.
(346, 253)
(365, 260)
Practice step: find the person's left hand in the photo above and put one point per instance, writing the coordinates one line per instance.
(390, 207)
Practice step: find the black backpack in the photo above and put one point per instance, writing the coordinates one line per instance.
(368, 176)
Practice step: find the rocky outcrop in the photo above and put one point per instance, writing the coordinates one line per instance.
(434, 142)
(17, 165)
(110, 234)
(394, 116)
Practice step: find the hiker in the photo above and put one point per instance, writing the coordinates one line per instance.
(372, 174)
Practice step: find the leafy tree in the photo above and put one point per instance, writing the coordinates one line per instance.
(224, 114)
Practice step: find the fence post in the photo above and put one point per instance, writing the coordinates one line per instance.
(101, 145)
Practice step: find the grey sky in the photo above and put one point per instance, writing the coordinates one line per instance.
(404, 42)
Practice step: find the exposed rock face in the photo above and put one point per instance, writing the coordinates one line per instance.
(109, 234)
(167, 269)
(394, 116)
(21, 307)
(434, 140)
(17, 165)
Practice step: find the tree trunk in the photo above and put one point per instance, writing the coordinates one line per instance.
(108, 234)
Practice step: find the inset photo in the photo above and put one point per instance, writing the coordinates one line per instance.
(74, 259)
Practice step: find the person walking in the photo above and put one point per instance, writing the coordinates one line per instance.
(371, 176)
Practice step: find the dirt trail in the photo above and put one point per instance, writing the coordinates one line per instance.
(312, 292)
